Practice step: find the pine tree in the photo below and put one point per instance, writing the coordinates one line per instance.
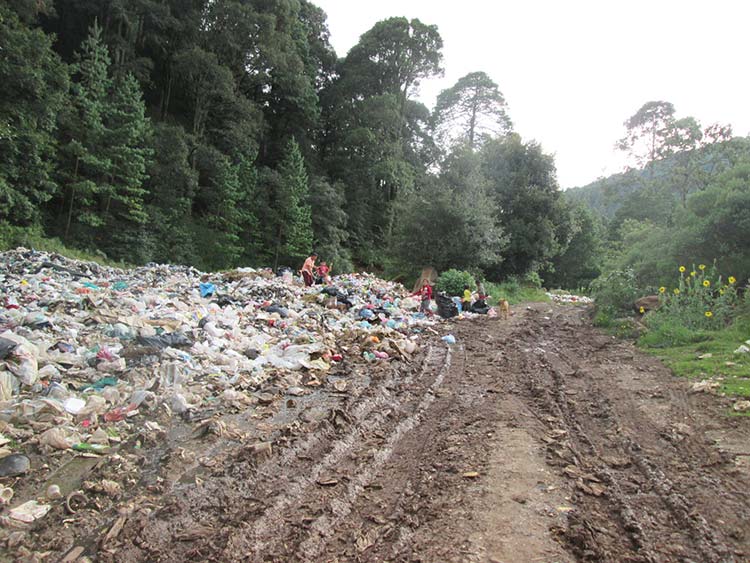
(293, 216)
(33, 89)
(85, 167)
(130, 131)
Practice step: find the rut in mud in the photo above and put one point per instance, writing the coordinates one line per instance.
(533, 439)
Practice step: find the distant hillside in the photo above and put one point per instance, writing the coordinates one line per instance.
(607, 195)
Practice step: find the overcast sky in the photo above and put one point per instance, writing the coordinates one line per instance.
(572, 70)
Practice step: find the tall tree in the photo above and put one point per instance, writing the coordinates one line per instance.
(648, 131)
(292, 220)
(130, 132)
(523, 184)
(85, 166)
(470, 111)
(33, 89)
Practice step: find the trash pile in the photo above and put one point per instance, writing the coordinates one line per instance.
(91, 356)
(569, 298)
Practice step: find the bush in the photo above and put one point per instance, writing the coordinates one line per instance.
(453, 281)
(701, 299)
(615, 291)
(532, 279)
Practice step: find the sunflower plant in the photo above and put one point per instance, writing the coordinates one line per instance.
(700, 299)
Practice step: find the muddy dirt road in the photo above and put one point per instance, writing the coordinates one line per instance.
(537, 439)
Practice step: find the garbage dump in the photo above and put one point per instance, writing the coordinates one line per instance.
(97, 363)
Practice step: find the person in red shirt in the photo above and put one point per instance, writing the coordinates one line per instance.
(425, 294)
(323, 272)
(308, 269)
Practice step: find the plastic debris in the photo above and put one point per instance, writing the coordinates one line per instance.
(449, 339)
(96, 362)
(13, 465)
(29, 511)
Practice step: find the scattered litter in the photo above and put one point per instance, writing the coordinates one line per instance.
(13, 465)
(705, 386)
(95, 361)
(569, 298)
(29, 511)
(449, 339)
(742, 406)
(743, 349)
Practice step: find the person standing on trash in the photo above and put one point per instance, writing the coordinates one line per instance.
(425, 293)
(308, 269)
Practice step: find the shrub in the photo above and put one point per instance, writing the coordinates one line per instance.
(701, 299)
(453, 281)
(616, 290)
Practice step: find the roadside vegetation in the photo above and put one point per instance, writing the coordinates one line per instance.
(698, 327)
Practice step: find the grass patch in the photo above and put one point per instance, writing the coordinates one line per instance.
(514, 293)
(680, 350)
(12, 237)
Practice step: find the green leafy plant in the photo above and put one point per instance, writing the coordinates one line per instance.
(700, 300)
(453, 281)
(615, 291)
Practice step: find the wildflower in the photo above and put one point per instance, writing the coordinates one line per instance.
(642, 310)
(693, 273)
(709, 314)
(676, 291)
(721, 292)
(662, 289)
(706, 283)
(731, 279)
(701, 267)
(682, 269)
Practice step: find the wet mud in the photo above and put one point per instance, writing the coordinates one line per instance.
(538, 438)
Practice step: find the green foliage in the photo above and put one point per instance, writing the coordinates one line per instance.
(701, 354)
(457, 204)
(699, 300)
(471, 111)
(453, 281)
(13, 236)
(514, 292)
(521, 180)
(615, 290)
(581, 261)
(33, 89)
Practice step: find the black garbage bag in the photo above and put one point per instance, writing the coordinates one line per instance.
(480, 307)
(275, 308)
(168, 340)
(340, 296)
(446, 307)
(6, 347)
(283, 270)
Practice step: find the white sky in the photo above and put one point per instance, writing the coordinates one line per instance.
(572, 71)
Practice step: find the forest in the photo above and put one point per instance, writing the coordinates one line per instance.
(229, 133)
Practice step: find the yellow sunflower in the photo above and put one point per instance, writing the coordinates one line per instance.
(662, 289)
(682, 269)
(642, 310)
(731, 279)
(676, 291)
(709, 314)
(701, 267)
(693, 273)
(706, 283)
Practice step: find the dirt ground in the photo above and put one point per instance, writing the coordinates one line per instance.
(537, 439)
